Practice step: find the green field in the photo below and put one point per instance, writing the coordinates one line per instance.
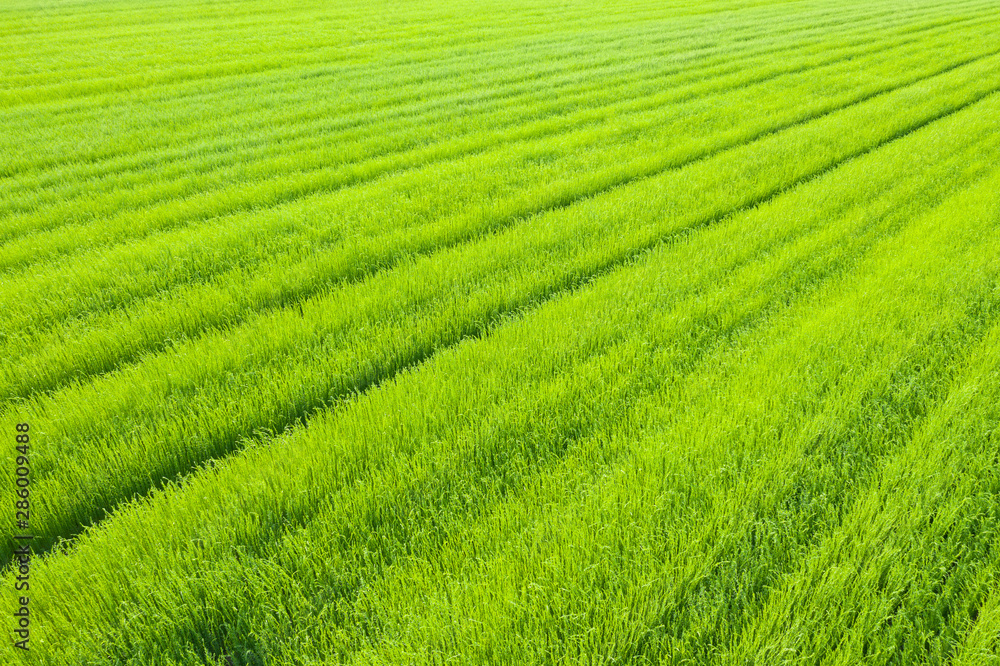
(482, 332)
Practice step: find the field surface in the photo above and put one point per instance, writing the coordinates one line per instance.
(500, 332)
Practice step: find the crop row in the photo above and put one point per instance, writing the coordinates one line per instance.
(105, 438)
(279, 272)
(482, 332)
(246, 178)
(664, 536)
(238, 47)
(266, 136)
(196, 56)
(731, 353)
(407, 84)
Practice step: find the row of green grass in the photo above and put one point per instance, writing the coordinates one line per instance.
(442, 298)
(171, 50)
(295, 132)
(674, 545)
(214, 391)
(384, 508)
(478, 332)
(404, 80)
(254, 184)
(207, 395)
(268, 256)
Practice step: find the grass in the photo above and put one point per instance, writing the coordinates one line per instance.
(385, 333)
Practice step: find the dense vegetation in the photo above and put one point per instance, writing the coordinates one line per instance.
(502, 332)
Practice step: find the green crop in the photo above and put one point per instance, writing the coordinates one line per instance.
(501, 332)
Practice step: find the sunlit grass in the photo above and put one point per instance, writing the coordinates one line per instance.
(386, 333)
